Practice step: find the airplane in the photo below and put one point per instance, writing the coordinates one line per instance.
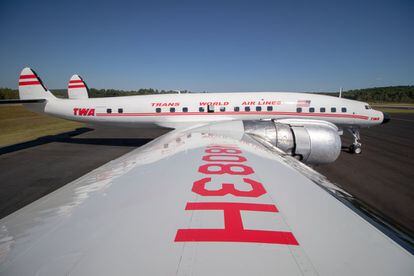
(303, 110)
(221, 194)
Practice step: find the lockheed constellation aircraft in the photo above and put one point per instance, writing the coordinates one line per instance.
(308, 120)
(221, 194)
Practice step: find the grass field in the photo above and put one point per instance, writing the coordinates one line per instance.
(394, 110)
(18, 124)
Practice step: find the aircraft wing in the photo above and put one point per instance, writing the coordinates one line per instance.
(204, 201)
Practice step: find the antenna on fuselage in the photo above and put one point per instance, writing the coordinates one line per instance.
(340, 92)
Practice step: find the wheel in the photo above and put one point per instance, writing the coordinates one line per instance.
(355, 149)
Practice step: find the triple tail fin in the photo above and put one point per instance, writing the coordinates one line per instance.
(77, 88)
(31, 86)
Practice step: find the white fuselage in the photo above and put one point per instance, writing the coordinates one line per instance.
(179, 110)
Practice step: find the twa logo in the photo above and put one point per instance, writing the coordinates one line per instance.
(84, 111)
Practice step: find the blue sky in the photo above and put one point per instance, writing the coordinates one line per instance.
(210, 45)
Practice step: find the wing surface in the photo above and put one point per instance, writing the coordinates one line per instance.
(203, 201)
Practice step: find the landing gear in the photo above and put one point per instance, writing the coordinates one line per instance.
(356, 146)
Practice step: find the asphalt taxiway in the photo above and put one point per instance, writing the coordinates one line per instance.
(382, 176)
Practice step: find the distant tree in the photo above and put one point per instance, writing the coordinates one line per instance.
(375, 94)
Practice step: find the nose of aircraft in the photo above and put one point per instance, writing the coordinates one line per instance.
(386, 117)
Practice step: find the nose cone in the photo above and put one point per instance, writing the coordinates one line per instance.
(386, 117)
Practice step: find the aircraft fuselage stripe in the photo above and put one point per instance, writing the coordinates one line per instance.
(161, 114)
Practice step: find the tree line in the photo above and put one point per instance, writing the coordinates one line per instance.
(395, 94)
(388, 94)
(7, 93)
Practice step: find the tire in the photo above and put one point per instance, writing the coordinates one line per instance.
(355, 149)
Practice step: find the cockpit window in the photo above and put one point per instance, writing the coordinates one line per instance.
(367, 107)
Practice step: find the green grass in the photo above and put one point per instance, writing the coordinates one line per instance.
(395, 111)
(18, 124)
(392, 104)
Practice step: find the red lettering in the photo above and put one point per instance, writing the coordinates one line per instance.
(222, 146)
(165, 104)
(91, 112)
(83, 111)
(249, 103)
(75, 111)
(214, 103)
(224, 158)
(199, 187)
(223, 150)
(233, 226)
(225, 169)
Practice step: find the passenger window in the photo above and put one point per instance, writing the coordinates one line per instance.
(258, 108)
(299, 109)
(236, 108)
(269, 108)
(210, 108)
(172, 109)
(343, 109)
(322, 109)
(185, 109)
(222, 109)
(333, 109)
(158, 110)
(108, 110)
(201, 109)
(247, 108)
(311, 109)
(120, 110)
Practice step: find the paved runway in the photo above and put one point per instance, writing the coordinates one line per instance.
(382, 176)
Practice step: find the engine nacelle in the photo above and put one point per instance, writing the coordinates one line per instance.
(313, 142)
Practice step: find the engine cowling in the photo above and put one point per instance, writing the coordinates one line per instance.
(312, 142)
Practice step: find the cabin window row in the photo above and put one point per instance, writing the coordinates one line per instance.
(222, 109)
(109, 110)
(322, 109)
(246, 108)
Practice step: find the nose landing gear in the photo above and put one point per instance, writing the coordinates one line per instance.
(356, 146)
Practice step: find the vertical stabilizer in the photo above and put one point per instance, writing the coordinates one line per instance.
(77, 88)
(31, 86)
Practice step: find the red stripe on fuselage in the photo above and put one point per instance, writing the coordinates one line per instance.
(233, 113)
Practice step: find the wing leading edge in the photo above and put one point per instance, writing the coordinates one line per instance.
(200, 201)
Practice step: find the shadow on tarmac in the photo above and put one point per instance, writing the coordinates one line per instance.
(68, 137)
